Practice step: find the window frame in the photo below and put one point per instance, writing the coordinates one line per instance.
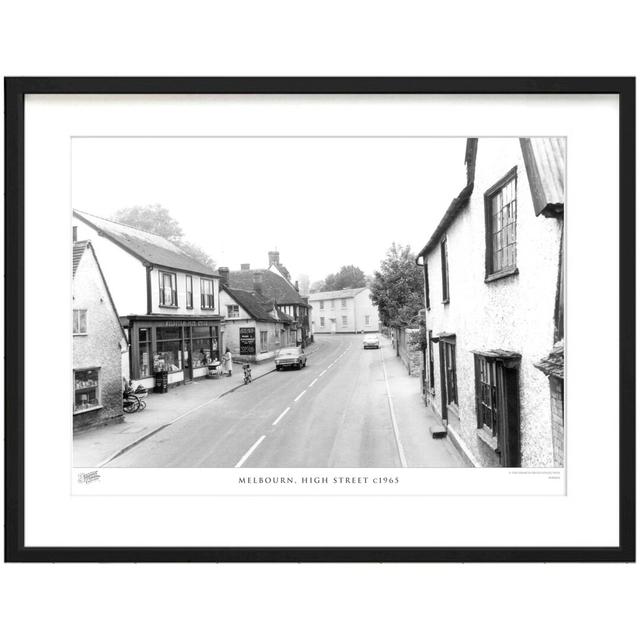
(98, 388)
(492, 274)
(86, 323)
(321, 305)
(188, 291)
(204, 296)
(345, 321)
(235, 312)
(174, 290)
(450, 373)
(322, 322)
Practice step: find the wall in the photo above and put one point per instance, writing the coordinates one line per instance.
(274, 335)
(514, 313)
(101, 347)
(355, 311)
(365, 307)
(125, 274)
(182, 309)
(411, 356)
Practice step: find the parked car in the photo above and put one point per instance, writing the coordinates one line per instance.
(291, 357)
(371, 342)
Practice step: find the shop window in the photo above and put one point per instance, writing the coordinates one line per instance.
(444, 261)
(263, 341)
(204, 345)
(144, 352)
(500, 216)
(189, 291)
(168, 292)
(79, 322)
(233, 311)
(86, 390)
(497, 405)
(206, 293)
(168, 355)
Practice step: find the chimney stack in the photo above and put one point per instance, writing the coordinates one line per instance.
(257, 282)
(224, 275)
(245, 266)
(274, 257)
(297, 287)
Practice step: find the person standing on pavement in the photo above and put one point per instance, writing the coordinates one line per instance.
(228, 362)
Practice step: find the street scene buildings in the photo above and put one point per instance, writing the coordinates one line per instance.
(452, 356)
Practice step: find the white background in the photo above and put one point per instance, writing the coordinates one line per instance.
(319, 601)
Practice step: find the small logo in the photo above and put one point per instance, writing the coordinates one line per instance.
(90, 476)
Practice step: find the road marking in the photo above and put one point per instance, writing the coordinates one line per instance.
(282, 415)
(396, 433)
(311, 385)
(253, 448)
(300, 396)
(325, 371)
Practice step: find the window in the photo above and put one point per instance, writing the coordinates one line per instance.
(144, 349)
(500, 214)
(451, 377)
(367, 320)
(322, 322)
(168, 355)
(204, 345)
(168, 293)
(189, 288)
(321, 304)
(206, 293)
(444, 259)
(79, 322)
(263, 341)
(86, 390)
(333, 304)
(344, 303)
(497, 404)
(233, 311)
(344, 321)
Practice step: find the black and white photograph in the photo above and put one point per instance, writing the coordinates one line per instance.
(318, 302)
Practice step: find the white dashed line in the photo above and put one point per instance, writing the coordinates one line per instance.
(325, 371)
(282, 415)
(253, 448)
(311, 385)
(300, 396)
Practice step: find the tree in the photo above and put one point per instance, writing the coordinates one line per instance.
(349, 277)
(397, 287)
(156, 219)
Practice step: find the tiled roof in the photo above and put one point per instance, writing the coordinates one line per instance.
(254, 304)
(332, 295)
(78, 252)
(553, 364)
(147, 247)
(274, 287)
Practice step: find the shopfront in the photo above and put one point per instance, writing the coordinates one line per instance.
(181, 346)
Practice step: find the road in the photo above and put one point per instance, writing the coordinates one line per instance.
(335, 412)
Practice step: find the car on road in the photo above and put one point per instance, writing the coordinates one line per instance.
(371, 342)
(291, 357)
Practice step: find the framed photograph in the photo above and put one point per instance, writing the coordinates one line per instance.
(320, 319)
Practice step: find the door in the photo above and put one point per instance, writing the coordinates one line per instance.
(187, 355)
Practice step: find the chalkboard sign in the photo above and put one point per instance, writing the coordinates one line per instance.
(247, 341)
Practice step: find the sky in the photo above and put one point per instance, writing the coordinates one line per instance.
(321, 202)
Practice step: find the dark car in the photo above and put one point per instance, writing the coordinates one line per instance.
(291, 357)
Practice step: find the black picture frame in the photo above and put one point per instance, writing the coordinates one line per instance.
(15, 91)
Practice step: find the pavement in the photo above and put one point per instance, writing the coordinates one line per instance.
(349, 407)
